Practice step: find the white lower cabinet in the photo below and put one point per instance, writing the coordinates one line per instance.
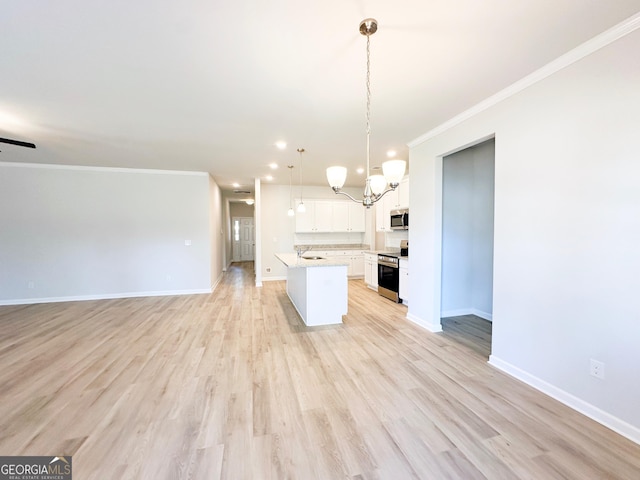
(371, 270)
(356, 266)
(353, 258)
(403, 288)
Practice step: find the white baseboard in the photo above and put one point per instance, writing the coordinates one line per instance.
(273, 279)
(424, 324)
(467, 311)
(614, 423)
(107, 296)
(217, 282)
(456, 313)
(481, 314)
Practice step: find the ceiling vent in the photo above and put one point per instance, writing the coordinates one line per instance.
(243, 192)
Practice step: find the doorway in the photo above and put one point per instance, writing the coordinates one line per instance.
(468, 190)
(243, 239)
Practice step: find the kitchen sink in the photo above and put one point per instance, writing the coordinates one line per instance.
(312, 257)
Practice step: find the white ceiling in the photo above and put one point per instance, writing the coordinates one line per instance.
(211, 85)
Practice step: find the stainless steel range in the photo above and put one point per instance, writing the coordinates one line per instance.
(389, 276)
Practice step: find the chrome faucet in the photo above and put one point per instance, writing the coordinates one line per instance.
(301, 251)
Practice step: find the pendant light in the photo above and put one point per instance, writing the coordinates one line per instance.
(301, 207)
(393, 170)
(290, 212)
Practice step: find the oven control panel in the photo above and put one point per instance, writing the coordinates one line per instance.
(388, 260)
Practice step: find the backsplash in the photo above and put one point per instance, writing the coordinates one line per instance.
(393, 239)
(332, 246)
(329, 239)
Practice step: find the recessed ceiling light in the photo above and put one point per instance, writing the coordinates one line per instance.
(360, 170)
(391, 153)
(235, 185)
(268, 177)
(281, 144)
(273, 166)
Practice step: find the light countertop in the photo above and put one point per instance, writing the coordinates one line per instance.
(332, 247)
(291, 260)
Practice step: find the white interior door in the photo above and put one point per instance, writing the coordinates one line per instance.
(243, 239)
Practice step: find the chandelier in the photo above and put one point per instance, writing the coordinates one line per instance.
(393, 170)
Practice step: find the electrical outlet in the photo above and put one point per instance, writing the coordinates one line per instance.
(30, 284)
(187, 243)
(268, 269)
(597, 369)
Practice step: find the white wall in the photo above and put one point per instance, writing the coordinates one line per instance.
(240, 209)
(278, 229)
(567, 230)
(216, 232)
(467, 232)
(74, 233)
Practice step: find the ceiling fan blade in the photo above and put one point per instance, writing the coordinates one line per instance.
(17, 142)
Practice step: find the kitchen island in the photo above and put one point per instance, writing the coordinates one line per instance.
(316, 287)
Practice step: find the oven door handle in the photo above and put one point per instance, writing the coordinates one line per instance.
(392, 265)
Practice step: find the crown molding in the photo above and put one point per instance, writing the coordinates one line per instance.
(55, 166)
(587, 48)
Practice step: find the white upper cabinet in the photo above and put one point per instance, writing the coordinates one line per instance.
(317, 218)
(340, 217)
(403, 193)
(330, 216)
(356, 217)
(323, 216)
(305, 222)
(383, 222)
(383, 211)
(391, 200)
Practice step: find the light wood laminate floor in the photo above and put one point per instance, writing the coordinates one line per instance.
(231, 385)
(470, 330)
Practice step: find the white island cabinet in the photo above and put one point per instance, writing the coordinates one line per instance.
(317, 288)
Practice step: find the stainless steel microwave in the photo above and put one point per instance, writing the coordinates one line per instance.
(400, 219)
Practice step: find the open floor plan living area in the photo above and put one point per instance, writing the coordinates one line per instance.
(233, 385)
(326, 240)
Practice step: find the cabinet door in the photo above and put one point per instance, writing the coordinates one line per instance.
(391, 200)
(382, 217)
(367, 270)
(383, 211)
(323, 215)
(371, 269)
(305, 221)
(403, 288)
(357, 266)
(356, 217)
(374, 273)
(340, 219)
(403, 193)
